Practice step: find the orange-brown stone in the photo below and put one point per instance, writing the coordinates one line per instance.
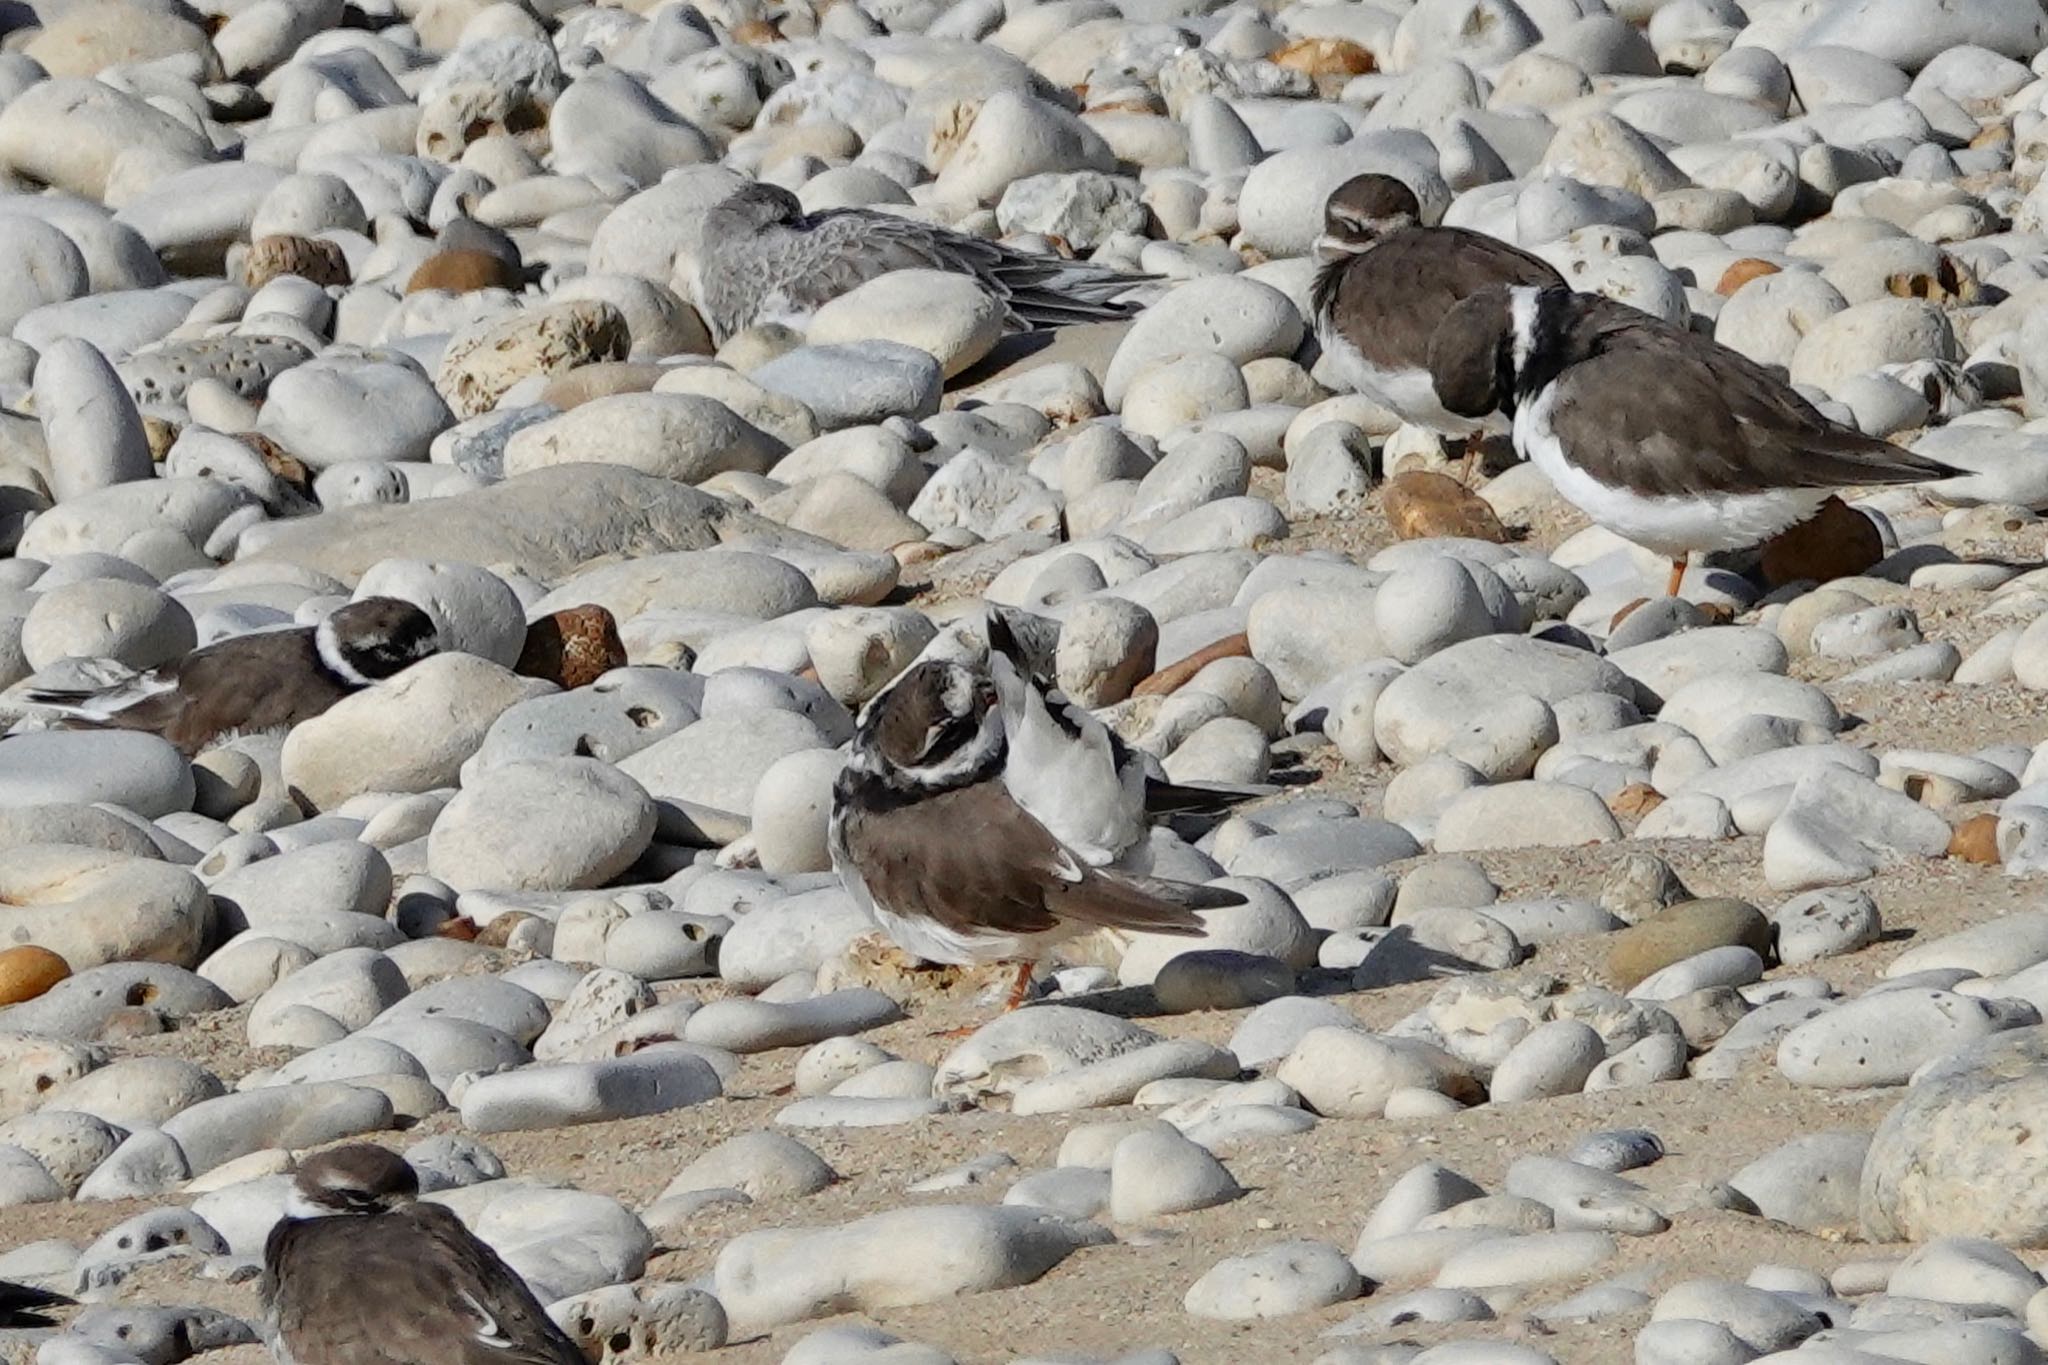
(1742, 272)
(1976, 840)
(27, 971)
(461, 271)
(1423, 503)
(1836, 542)
(572, 647)
(1326, 57)
(1635, 801)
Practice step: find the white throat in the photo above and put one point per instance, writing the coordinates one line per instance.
(327, 644)
(1522, 318)
(970, 758)
(298, 1207)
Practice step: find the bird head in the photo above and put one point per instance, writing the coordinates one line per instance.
(1361, 211)
(936, 725)
(360, 1178)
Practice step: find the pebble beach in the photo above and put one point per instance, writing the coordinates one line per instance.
(1620, 978)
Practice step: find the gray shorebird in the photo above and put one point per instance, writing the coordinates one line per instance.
(928, 838)
(265, 680)
(765, 260)
(1663, 436)
(1384, 284)
(359, 1272)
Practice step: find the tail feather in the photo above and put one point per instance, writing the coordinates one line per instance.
(18, 1302)
(1200, 798)
(1146, 905)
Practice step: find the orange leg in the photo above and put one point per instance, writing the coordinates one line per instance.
(1468, 460)
(1677, 575)
(1020, 990)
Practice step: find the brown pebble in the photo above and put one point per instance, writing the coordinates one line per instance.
(1677, 933)
(27, 971)
(310, 258)
(462, 270)
(461, 928)
(1175, 675)
(498, 932)
(1626, 610)
(1836, 542)
(1422, 503)
(1635, 801)
(1976, 840)
(278, 460)
(1325, 57)
(1742, 272)
(573, 647)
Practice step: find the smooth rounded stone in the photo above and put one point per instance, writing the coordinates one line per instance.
(859, 1111)
(65, 1145)
(134, 1092)
(133, 624)
(549, 824)
(1422, 711)
(1867, 336)
(1660, 1057)
(561, 1094)
(287, 896)
(1156, 1172)
(897, 1080)
(1237, 318)
(1531, 1258)
(493, 1000)
(1810, 1183)
(1342, 1072)
(683, 437)
(621, 713)
(1553, 1059)
(761, 1165)
(1303, 856)
(720, 761)
(948, 316)
(2000, 947)
(1731, 965)
(1267, 925)
(856, 383)
(93, 906)
(1428, 607)
(1884, 1037)
(1760, 1319)
(352, 987)
(1220, 979)
(1826, 923)
(1501, 1212)
(1523, 815)
(1118, 1078)
(408, 734)
(794, 934)
(1681, 932)
(309, 1115)
(847, 1345)
(856, 652)
(1968, 1271)
(450, 1047)
(746, 1026)
(902, 1257)
(1691, 1341)
(339, 408)
(61, 822)
(137, 772)
(90, 426)
(1271, 1030)
(824, 1066)
(740, 583)
(1288, 1277)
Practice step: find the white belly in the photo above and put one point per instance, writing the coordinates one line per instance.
(1408, 393)
(1671, 526)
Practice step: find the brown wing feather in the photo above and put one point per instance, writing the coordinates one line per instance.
(973, 860)
(402, 1288)
(1703, 418)
(1411, 279)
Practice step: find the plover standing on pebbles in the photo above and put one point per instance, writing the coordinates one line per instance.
(359, 1272)
(265, 680)
(765, 260)
(930, 841)
(1384, 284)
(1663, 436)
